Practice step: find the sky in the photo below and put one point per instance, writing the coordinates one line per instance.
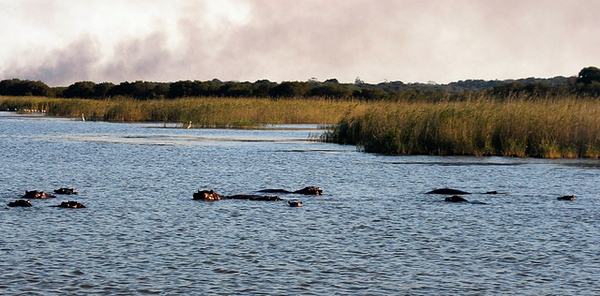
(64, 41)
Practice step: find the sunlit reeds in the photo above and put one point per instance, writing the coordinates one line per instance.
(481, 126)
(551, 128)
(202, 112)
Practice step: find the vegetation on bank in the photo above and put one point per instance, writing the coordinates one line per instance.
(559, 127)
(201, 112)
(550, 128)
(552, 118)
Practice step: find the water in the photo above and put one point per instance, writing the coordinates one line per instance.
(373, 232)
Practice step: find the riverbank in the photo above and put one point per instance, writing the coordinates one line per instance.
(560, 127)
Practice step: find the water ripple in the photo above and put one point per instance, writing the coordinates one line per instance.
(373, 232)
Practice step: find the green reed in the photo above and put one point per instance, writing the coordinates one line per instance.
(550, 128)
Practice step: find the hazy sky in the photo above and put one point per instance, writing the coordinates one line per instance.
(64, 41)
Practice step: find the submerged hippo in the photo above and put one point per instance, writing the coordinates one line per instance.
(566, 197)
(70, 205)
(37, 194)
(254, 197)
(310, 190)
(456, 198)
(447, 191)
(294, 203)
(210, 195)
(65, 191)
(20, 203)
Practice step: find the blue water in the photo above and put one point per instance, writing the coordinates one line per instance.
(373, 232)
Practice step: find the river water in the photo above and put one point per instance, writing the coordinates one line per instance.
(373, 232)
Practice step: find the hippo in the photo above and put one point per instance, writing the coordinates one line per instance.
(70, 205)
(310, 190)
(37, 194)
(207, 195)
(65, 191)
(210, 195)
(456, 198)
(447, 191)
(20, 203)
(294, 203)
(254, 197)
(566, 197)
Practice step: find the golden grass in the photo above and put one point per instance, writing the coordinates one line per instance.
(202, 112)
(481, 126)
(553, 128)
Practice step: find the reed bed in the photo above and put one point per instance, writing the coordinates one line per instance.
(480, 126)
(549, 128)
(201, 112)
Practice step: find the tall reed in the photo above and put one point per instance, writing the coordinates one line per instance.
(552, 128)
(202, 112)
(481, 126)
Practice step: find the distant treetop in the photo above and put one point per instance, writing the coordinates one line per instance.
(586, 83)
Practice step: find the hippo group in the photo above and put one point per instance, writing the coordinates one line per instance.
(210, 195)
(70, 205)
(310, 190)
(35, 194)
(68, 191)
(456, 195)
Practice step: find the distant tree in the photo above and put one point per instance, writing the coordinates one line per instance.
(57, 91)
(181, 89)
(261, 88)
(537, 89)
(508, 89)
(82, 89)
(289, 89)
(236, 89)
(208, 88)
(142, 90)
(370, 94)
(588, 75)
(17, 87)
(329, 90)
(101, 90)
(160, 90)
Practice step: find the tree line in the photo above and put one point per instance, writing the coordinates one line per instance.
(586, 83)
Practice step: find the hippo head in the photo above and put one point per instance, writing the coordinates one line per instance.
(206, 195)
(311, 190)
(455, 198)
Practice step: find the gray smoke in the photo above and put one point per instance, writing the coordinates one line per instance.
(407, 40)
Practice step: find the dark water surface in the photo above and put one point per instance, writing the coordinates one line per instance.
(373, 232)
